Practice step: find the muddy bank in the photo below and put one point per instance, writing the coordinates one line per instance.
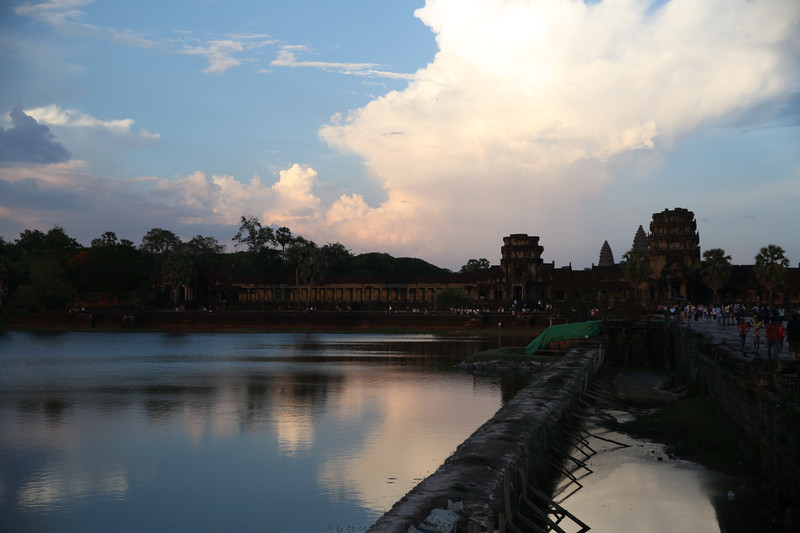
(665, 461)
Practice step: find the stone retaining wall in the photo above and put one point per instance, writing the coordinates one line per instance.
(519, 438)
(753, 397)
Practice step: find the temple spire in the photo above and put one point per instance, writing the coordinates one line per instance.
(640, 239)
(606, 255)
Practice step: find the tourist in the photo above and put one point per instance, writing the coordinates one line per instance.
(793, 334)
(756, 324)
(781, 335)
(743, 327)
(771, 334)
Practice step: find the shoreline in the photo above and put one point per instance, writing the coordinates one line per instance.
(275, 321)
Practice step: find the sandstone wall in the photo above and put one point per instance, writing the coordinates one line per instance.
(754, 399)
(519, 438)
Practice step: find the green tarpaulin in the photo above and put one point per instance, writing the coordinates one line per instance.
(564, 332)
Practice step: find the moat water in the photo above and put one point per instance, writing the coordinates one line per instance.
(264, 433)
(227, 432)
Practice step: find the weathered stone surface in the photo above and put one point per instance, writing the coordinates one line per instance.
(518, 437)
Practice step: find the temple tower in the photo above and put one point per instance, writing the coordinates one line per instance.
(606, 255)
(640, 239)
(674, 250)
(521, 258)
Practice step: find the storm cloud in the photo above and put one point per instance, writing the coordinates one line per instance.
(27, 141)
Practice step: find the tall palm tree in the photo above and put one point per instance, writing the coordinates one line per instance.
(715, 270)
(636, 267)
(770, 268)
(283, 236)
(297, 255)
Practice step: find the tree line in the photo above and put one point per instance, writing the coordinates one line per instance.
(51, 271)
(770, 268)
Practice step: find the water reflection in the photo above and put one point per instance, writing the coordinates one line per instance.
(59, 486)
(637, 484)
(132, 432)
(404, 443)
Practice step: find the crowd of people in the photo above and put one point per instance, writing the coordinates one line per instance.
(777, 325)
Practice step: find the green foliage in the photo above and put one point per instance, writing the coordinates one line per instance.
(31, 240)
(176, 271)
(159, 241)
(715, 269)
(57, 241)
(108, 238)
(204, 248)
(54, 243)
(578, 306)
(636, 267)
(770, 268)
(475, 264)
(48, 290)
(253, 235)
(771, 265)
(336, 256)
(115, 269)
(283, 236)
(450, 297)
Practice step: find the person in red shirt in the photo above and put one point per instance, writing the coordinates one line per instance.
(771, 334)
(781, 335)
(743, 327)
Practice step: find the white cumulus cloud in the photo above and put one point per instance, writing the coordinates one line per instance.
(530, 106)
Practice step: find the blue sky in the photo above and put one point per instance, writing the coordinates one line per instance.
(421, 128)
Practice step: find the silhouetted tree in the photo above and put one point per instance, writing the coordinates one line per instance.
(770, 268)
(159, 241)
(49, 288)
(283, 236)
(451, 297)
(30, 240)
(475, 264)
(715, 269)
(108, 238)
(253, 235)
(297, 254)
(636, 269)
(177, 272)
(200, 247)
(335, 256)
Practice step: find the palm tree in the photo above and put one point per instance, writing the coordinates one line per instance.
(715, 270)
(636, 267)
(770, 268)
(296, 254)
(283, 236)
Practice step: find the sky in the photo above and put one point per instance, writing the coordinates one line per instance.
(421, 128)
